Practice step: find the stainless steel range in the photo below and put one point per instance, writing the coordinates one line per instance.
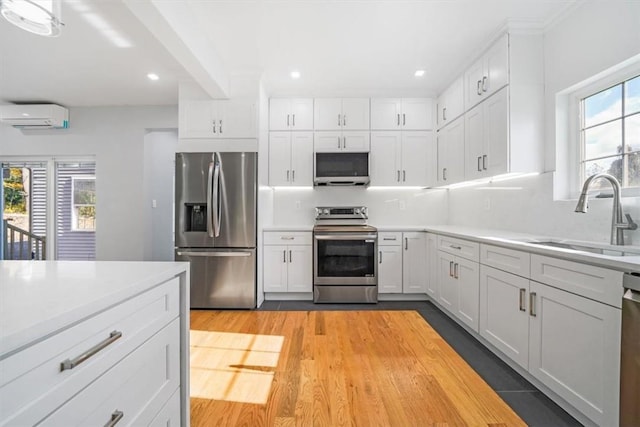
(345, 248)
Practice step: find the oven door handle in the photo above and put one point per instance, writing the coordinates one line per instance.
(346, 237)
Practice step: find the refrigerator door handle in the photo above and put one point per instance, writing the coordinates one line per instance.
(209, 190)
(215, 254)
(216, 196)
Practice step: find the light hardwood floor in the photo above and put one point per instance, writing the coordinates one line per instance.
(332, 368)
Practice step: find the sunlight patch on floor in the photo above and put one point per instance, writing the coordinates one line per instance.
(232, 366)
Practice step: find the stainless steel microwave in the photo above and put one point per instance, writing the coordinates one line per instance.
(343, 168)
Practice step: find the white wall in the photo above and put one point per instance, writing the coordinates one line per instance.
(594, 37)
(115, 136)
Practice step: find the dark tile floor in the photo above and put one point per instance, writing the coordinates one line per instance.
(525, 399)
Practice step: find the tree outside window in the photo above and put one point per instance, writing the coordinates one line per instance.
(83, 206)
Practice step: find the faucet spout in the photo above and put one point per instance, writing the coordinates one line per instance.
(617, 217)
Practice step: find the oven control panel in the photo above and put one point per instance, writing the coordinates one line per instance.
(344, 212)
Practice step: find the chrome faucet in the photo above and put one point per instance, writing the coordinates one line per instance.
(617, 222)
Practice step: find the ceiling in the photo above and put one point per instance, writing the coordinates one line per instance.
(346, 48)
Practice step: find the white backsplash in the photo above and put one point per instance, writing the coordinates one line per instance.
(526, 205)
(387, 207)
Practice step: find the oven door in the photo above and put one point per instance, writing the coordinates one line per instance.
(345, 259)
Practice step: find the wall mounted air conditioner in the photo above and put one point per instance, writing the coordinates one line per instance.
(34, 116)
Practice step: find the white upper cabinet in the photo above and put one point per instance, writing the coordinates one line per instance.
(341, 113)
(337, 141)
(401, 158)
(401, 114)
(451, 103)
(235, 118)
(290, 158)
(488, 74)
(451, 153)
(290, 114)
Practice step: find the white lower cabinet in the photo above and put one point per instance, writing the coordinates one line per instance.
(402, 266)
(458, 280)
(504, 314)
(390, 269)
(432, 266)
(574, 349)
(288, 268)
(414, 265)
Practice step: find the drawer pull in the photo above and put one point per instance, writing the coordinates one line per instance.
(455, 270)
(455, 247)
(450, 268)
(523, 291)
(70, 364)
(532, 304)
(287, 238)
(115, 418)
(389, 238)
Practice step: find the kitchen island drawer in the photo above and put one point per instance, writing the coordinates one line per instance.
(596, 283)
(68, 361)
(133, 391)
(509, 260)
(388, 238)
(287, 238)
(459, 247)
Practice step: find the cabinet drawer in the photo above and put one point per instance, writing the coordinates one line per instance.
(169, 415)
(515, 262)
(138, 386)
(33, 382)
(389, 238)
(459, 247)
(287, 238)
(596, 283)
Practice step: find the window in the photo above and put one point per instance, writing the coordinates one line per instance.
(610, 133)
(83, 206)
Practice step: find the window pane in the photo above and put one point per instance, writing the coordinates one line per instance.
(632, 133)
(603, 140)
(610, 165)
(634, 169)
(603, 106)
(632, 96)
(84, 191)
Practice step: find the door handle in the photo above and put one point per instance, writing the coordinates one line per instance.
(404, 119)
(214, 125)
(209, 204)
(478, 88)
(484, 162)
(444, 174)
(338, 142)
(404, 176)
(293, 175)
(484, 83)
(294, 120)
(398, 119)
(450, 268)
(338, 119)
(444, 113)
(344, 142)
(406, 243)
(116, 416)
(455, 270)
(290, 256)
(479, 160)
(398, 175)
(532, 304)
(344, 120)
(284, 256)
(217, 211)
(380, 260)
(214, 254)
(523, 291)
(287, 120)
(287, 175)
(220, 126)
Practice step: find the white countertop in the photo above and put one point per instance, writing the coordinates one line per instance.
(286, 228)
(38, 298)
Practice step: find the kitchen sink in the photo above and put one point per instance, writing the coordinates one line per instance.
(585, 248)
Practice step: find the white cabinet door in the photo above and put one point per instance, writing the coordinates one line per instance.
(196, 119)
(355, 113)
(385, 158)
(386, 113)
(302, 114)
(327, 114)
(300, 269)
(496, 134)
(496, 66)
(417, 114)
(504, 314)
(356, 141)
(327, 142)
(414, 263)
(473, 84)
(275, 268)
(451, 153)
(279, 114)
(238, 119)
(467, 274)
(301, 158)
(415, 161)
(448, 296)
(432, 265)
(474, 142)
(451, 103)
(390, 269)
(280, 158)
(290, 114)
(574, 350)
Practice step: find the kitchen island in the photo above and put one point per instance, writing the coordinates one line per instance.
(85, 342)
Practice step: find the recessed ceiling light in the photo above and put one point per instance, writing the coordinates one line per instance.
(419, 73)
(153, 76)
(295, 74)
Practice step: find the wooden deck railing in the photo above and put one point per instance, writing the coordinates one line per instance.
(22, 244)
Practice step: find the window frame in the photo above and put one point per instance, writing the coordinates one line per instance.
(74, 216)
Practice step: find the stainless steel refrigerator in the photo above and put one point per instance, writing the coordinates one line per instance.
(216, 204)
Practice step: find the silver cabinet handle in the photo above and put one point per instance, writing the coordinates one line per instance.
(478, 87)
(214, 125)
(344, 120)
(287, 238)
(444, 174)
(398, 176)
(380, 260)
(344, 142)
(455, 270)
(532, 304)
(284, 256)
(455, 247)
(287, 175)
(484, 83)
(404, 119)
(293, 121)
(404, 176)
(388, 238)
(287, 120)
(115, 418)
(398, 119)
(72, 363)
(338, 119)
(450, 268)
(220, 126)
(523, 291)
(444, 113)
(339, 142)
(479, 160)
(293, 175)
(484, 162)
(290, 256)
(216, 254)
(406, 243)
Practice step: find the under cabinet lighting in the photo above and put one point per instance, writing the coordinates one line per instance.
(419, 73)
